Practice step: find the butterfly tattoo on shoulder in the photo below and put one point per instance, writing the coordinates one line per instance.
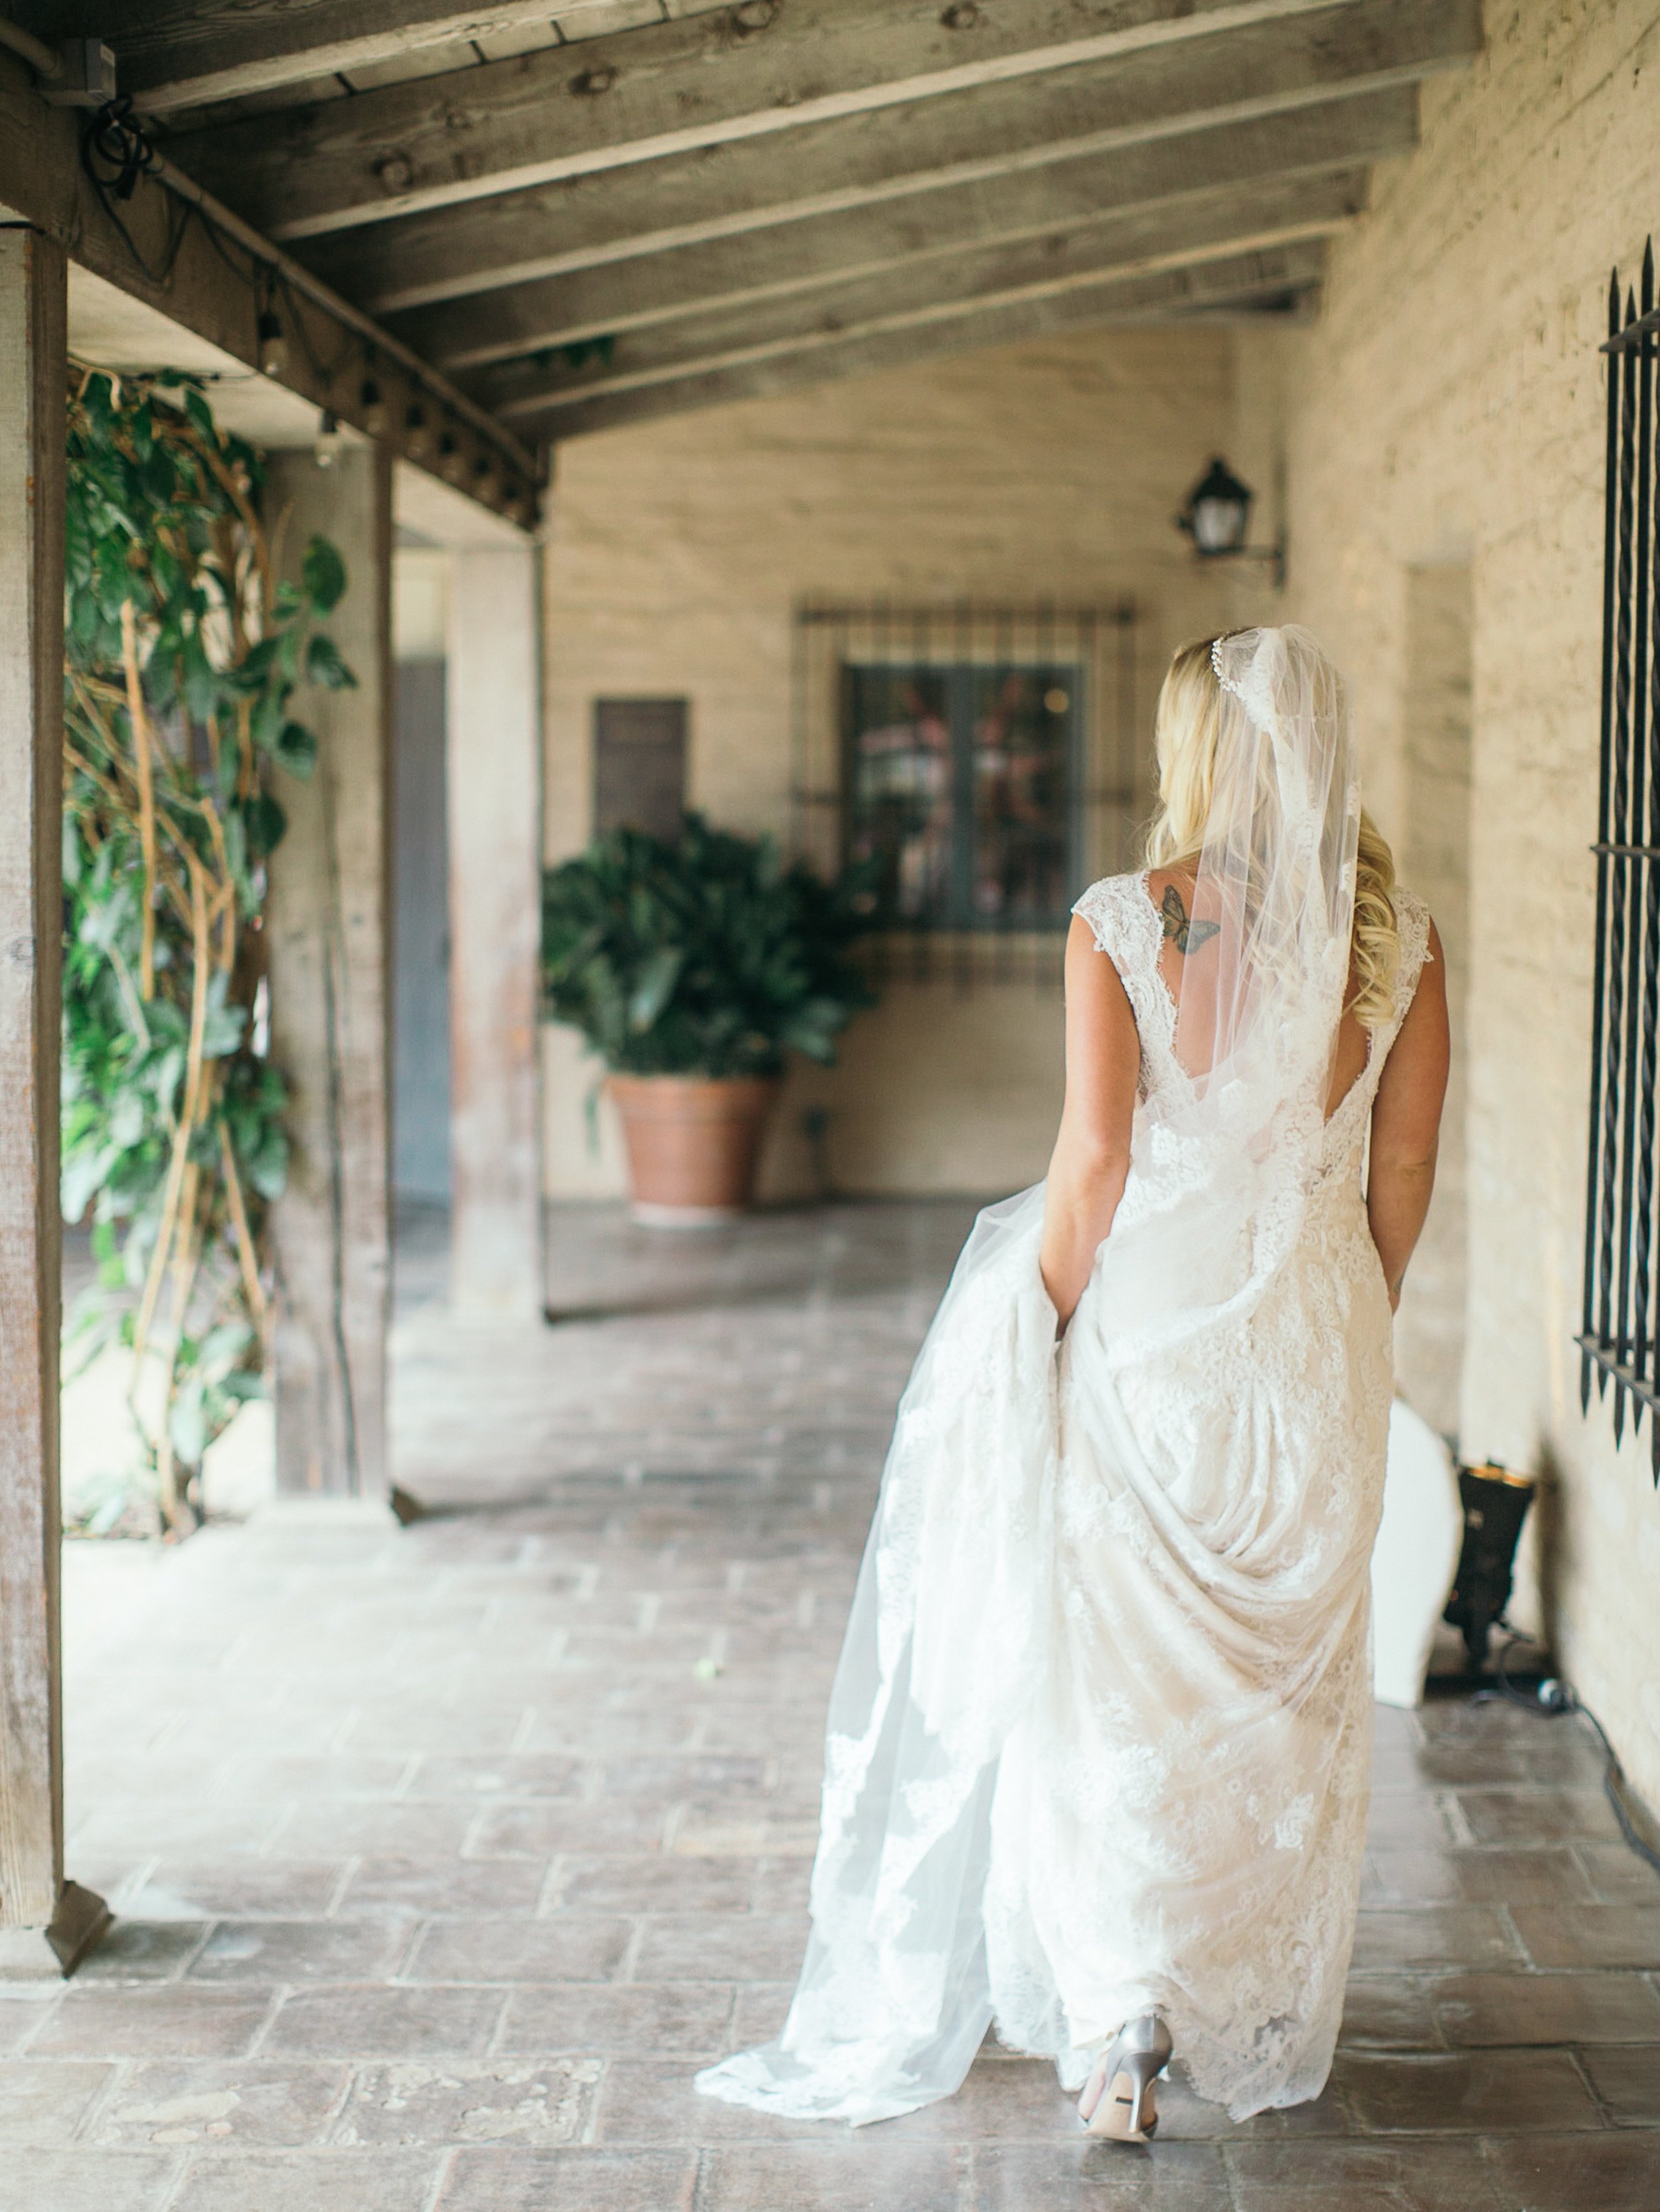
(1189, 936)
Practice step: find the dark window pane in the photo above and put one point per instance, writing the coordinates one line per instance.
(959, 781)
(900, 786)
(1022, 723)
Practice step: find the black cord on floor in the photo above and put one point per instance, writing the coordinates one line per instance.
(1549, 1702)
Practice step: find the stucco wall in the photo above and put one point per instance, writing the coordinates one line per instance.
(677, 552)
(1448, 409)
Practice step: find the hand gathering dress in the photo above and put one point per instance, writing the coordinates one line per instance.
(1099, 1739)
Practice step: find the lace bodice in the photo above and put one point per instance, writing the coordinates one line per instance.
(1127, 927)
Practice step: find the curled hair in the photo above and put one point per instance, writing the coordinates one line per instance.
(1185, 737)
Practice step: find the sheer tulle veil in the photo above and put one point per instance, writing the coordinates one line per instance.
(915, 1942)
(1256, 1023)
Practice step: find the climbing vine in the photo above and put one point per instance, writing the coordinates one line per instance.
(183, 655)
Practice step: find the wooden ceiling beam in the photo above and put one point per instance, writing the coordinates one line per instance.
(1258, 282)
(826, 168)
(206, 271)
(1030, 273)
(758, 268)
(750, 70)
(184, 53)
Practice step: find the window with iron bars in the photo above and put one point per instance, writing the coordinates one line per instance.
(1621, 1315)
(983, 758)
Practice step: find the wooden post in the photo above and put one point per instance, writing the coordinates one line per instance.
(494, 800)
(330, 999)
(45, 1923)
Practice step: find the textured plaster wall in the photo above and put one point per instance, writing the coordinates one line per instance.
(1447, 409)
(677, 552)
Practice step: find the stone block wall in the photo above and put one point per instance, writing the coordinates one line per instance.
(677, 553)
(1444, 436)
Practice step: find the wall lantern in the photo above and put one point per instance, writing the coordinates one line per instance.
(1216, 515)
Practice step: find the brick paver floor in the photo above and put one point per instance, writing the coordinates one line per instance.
(443, 1854)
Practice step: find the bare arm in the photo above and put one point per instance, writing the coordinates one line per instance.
(1406, 1123)
(1093, 1151)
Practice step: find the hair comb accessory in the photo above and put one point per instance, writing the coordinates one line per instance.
(1227, 682)
(1247, 671)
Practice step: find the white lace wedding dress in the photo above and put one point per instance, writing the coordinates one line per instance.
(1100, 1737)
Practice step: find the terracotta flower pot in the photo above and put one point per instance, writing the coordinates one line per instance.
(693, 1141)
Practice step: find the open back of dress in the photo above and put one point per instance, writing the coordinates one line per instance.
(1099, 1738)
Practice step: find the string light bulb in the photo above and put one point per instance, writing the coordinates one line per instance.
(417, 433)
(273, 346)
(372, 406)
(451, 460)
(329, 440)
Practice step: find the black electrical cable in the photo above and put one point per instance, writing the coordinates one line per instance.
(1553, 1698)
(115, 153)
(326, 371)
(113, 137)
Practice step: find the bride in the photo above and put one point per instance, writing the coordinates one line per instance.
(1098, 1756)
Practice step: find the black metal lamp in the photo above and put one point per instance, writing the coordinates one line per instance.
(1495, 1503)
(1216, 515)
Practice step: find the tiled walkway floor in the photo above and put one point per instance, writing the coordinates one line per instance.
(443, 1854)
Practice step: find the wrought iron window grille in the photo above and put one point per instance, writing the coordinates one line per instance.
(1617, 1341)
(846, 655)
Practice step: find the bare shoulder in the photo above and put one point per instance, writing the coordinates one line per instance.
(1419, 1057)
(1101, 1030)
(1429, 984)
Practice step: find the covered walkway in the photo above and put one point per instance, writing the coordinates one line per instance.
(441, 1856)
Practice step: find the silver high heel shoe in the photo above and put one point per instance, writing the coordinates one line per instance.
(1117, 2100)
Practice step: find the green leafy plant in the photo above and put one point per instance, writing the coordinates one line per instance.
(183, 657)
(708, 956)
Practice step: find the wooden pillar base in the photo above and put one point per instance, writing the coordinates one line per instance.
(46, 1955)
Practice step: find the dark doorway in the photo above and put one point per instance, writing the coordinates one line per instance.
(421, 1024)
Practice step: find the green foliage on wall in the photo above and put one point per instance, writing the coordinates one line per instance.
(184, 655)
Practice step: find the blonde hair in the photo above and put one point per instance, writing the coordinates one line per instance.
(1184, 735)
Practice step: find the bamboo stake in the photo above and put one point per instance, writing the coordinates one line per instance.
(141, 746)
(246, 771)
(84, 767)
(224, 899)
(201, 970)
(201, 967)
(247, 1258)
(184, 1278)
(112, 796)
(224, 913)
